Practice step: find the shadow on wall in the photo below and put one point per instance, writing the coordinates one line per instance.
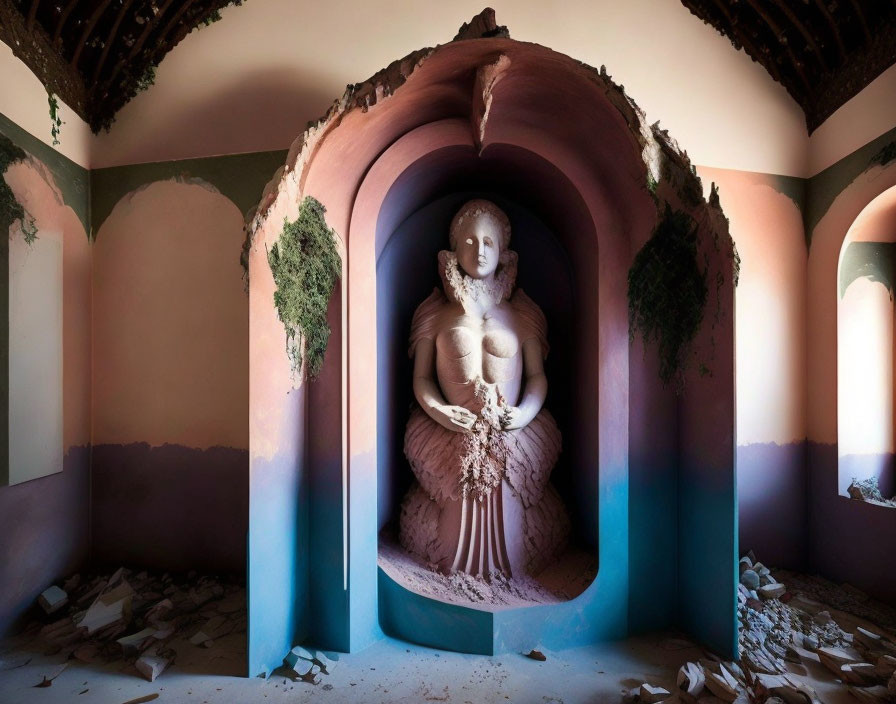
(170, 332)
(287, 97)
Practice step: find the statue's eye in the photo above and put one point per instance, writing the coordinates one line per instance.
(488, 241)
(469, 240)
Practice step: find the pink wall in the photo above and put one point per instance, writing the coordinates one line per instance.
(44, 522)
(171, 395)
(767, 227)
(849, 540)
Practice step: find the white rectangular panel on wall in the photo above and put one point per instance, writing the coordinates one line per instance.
(35, 356)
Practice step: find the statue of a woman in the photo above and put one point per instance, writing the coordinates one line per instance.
(480, 444)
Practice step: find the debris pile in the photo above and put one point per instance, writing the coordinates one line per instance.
(868, 490)
(780, 630)
(307, 666)
(131, 617)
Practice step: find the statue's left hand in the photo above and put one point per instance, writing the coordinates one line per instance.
(514, 418)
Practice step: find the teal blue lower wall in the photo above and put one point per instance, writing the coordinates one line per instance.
(278, 556)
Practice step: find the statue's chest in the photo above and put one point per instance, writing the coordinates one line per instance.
(471, 346)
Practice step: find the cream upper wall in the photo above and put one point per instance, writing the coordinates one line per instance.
(864, 118)
(252, 81)
(23, 99)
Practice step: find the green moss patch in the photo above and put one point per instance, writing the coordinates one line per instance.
(10, 209)
(305, 263)
(667, 292)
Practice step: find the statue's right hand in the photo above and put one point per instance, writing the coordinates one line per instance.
(457, 416)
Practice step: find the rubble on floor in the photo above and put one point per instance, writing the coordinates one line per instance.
(307, 666)
(782, 628)
(135, 616)
(868, 490)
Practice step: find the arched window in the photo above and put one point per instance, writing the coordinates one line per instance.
(866, 423)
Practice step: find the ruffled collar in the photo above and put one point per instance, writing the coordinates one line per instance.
(464, 289)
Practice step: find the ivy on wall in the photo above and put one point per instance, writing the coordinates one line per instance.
(667, 292)
(305, 263)
(55, 120)
(10, 209)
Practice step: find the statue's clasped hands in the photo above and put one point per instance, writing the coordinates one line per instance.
(511, 417)
(457, 415)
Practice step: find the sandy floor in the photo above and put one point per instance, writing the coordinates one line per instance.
(388, 672)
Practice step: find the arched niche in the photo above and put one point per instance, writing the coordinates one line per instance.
(865, 348)
(571, 155)
(554, 236)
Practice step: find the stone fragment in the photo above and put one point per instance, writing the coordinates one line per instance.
(111, 607)
(835, 658)
(691, 681)
(52, 599)
(136, 642)
(297, 655)
(651, 695)
(71, 583)
(326, 662)
(871, 695)
(772, 591)
(632, 695)
(885, 666)
(722, 683)
(86, 653)
(159, 611)
(213, 628)
(536, 655)
(750, 579)
(823, 618)
(151, 665)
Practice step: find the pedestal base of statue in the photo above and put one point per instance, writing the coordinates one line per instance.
(467, 614)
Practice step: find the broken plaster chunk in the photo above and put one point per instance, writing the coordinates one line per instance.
(213, 628)
(151, 665)
(134, 643)
(871, 695)
(750, 579)
(772, 591)
(536, 655)
(862, 674)
(722, 684)
(109, 608)
(297, 655)
(652, 695)
(326, 662)
(835, 658)
(52, 599)
(886, 666)
(691, 681)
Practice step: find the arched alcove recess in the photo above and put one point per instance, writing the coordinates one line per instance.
(865, 347)
(839, 527)
(489, 114)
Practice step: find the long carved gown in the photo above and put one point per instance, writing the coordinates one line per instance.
(482, 503)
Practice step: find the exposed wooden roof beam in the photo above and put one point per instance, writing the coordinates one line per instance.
(63, 18)
(32, 13)
(110, 39)
(857, 8)
(810, 40)
(835, 30)
(88, 28)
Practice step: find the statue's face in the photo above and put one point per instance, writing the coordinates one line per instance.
(479, 246)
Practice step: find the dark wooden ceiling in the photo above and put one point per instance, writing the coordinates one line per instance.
(97, 54)
(822, 51)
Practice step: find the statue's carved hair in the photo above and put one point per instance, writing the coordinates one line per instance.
(480, 206)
